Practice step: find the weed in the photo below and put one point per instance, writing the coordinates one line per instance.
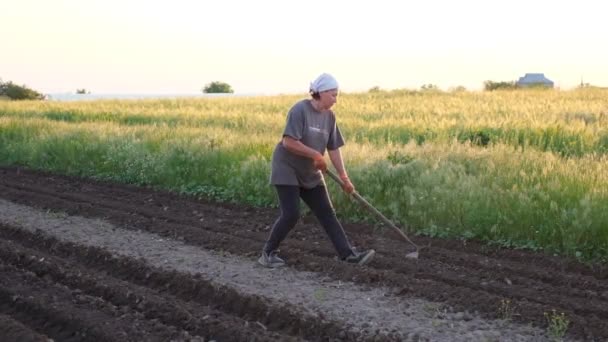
(505, 309)
(320, 294)
(434, 310)
(557, 324)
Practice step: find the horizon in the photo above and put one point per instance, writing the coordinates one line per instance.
(271, 47)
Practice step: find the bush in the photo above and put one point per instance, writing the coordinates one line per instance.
(217, 87)
(458, 89)
(429, 87)
(16, 92)
(491, 85)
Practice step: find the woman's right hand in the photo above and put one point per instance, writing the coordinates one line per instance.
(319, 163)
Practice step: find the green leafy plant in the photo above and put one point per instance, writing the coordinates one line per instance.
(557, 325)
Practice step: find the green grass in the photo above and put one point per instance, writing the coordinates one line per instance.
(523, 169)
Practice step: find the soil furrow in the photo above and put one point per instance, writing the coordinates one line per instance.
(15, 331)
(165, 206)
(186, 218)
(196, 319)
(444, 278)
(63, 315)
(373, 313)
(185, 287)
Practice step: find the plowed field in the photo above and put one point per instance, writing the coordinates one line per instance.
(82, 260)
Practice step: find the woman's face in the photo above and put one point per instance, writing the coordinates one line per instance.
(328, 98)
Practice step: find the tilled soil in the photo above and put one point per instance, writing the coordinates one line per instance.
(85, 260)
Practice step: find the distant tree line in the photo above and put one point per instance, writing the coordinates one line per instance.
(507, 85)
(18, 92)
(487, 86)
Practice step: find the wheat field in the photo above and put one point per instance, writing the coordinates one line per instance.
(523, 169)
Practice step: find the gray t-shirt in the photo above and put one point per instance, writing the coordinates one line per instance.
(317, 130)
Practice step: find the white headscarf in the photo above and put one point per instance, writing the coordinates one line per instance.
(323, 82)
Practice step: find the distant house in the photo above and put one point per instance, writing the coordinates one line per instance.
(531, 80)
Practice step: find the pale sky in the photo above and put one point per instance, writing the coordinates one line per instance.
(269, 47)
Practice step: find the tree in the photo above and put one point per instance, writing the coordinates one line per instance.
(217, 87)
(16, 92)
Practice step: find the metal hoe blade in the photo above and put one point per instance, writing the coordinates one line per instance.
(412, 255)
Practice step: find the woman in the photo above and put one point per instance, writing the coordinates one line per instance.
(297, 166)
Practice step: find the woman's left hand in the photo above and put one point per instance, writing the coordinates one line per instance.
(347, 186)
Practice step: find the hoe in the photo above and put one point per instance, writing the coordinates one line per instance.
(365, 203)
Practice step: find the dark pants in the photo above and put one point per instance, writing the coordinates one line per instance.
(318, 201)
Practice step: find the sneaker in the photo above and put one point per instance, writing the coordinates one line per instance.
(271, 260)
(360, 258)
